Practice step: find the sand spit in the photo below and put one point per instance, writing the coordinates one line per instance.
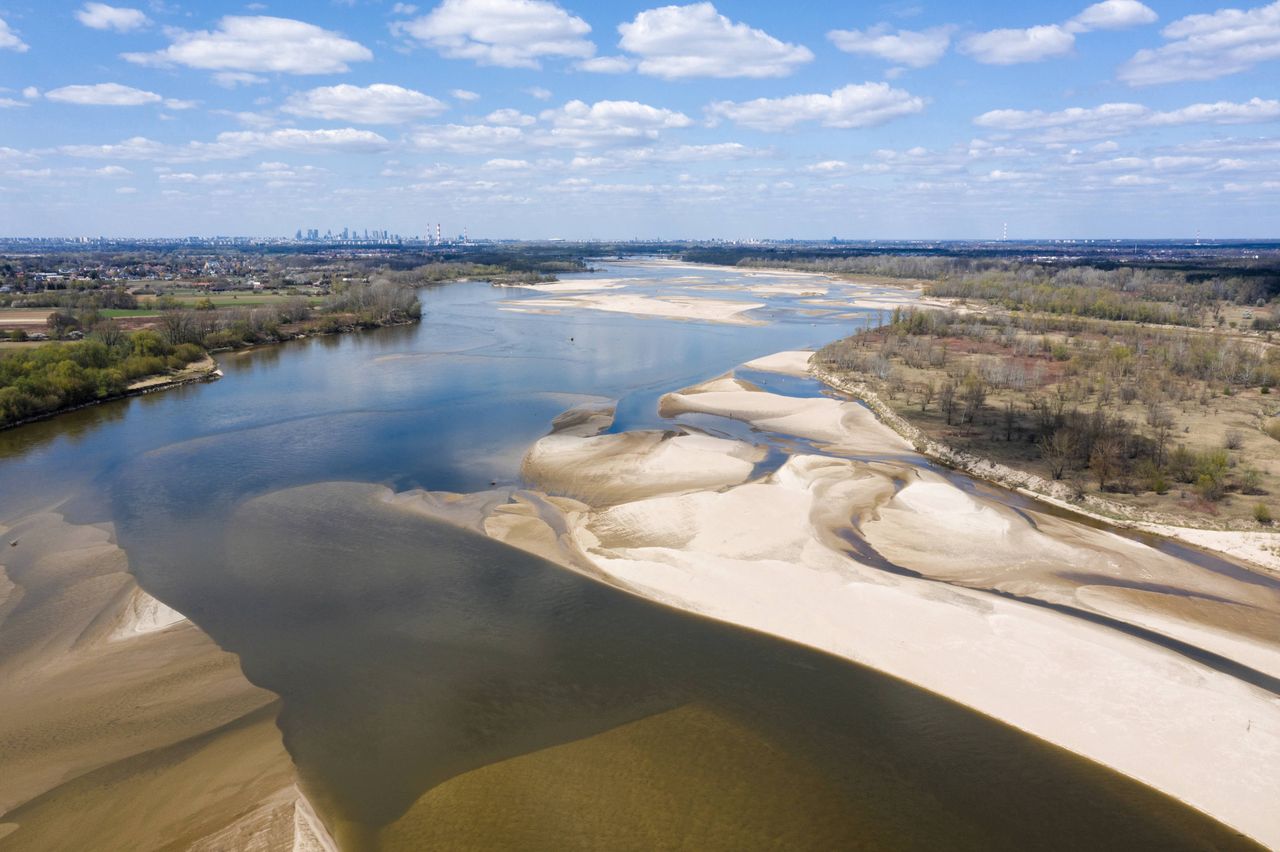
(575, 286)
(791, 363)
(779, 554)
(844, 427)
(726, 311)
(122, 721)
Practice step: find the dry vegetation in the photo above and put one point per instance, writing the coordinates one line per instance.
(1174, 420)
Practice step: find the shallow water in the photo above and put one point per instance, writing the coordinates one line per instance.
(431, 676)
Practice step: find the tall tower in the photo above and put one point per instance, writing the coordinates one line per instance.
(438, 240)
(1004, 234)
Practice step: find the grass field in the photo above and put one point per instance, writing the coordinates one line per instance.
(116, 313)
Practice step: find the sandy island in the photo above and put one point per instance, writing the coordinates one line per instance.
(798, 554)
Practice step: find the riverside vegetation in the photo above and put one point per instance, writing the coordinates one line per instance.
(110, 359)
(1161, 418)
(1152, 383)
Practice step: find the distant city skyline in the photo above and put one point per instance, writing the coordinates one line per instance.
(536, 119)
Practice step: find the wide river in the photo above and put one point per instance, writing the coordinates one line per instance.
(499, 699)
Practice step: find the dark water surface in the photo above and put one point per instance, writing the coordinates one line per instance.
(442, 690)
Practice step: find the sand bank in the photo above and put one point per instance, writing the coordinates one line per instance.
(780, 555)
(586, 285)
(792, 363)
(844, 427)
(601, 469)
(669, 307)
(122, 721)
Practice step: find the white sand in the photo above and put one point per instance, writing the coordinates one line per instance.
(669, 307)
(842, 427)
(144, 614)
(791, 363)
(755, 555)
(606, 469)
(587, 285)
(770, 555)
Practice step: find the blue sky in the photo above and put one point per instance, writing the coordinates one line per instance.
(530, 118)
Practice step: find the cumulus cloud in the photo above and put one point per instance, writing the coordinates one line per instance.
(914, 49)
(466, 138)
(1014, 46)
(380, 103)
(1047, 41)
(855, 105)
(1116, 118)
(674, 42)
(1206, 47)
(510, 118)
(100, 16)
(464, 95)
(294, 139)
(1113, 15)
(242, 45)
(103, 94)
(9, 39)
(506, 33)
(580, 125)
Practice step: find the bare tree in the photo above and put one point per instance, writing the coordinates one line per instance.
(1057, 451)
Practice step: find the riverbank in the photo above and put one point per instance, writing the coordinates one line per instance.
(206, 369)
(1259, 548)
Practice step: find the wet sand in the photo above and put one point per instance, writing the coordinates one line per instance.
(122, 721)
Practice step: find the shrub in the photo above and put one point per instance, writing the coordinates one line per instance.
(1262, 514)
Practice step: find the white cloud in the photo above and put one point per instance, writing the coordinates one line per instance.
(1113, 15)
(234, 144)
(538, 93)
(235, 79)
(464, 95)
(245, 44)
(1010, 47)
(31, 93)
(510, 118)
(293, 139)
(10, 103)
(404, 9)
(828, 167)
(904, 47)
(501, 165)
(466, 138)
(380, 103)
(9, 39)
(864, 105)
(179, 104)
(103, 94)
(506, 33)
(579, 125)
(606, 65)
(1206, 47)
(1116, 118)
(674, 42)
(1048, 41)
(100, 16)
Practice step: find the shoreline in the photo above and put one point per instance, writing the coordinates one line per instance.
(198, 372)
(1234, 544)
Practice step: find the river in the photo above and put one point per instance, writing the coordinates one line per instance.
(443, 690)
